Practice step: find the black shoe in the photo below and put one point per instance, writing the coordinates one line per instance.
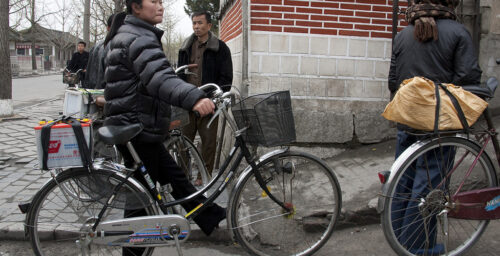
(209, 219)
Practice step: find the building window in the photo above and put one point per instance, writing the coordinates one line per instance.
(21, 52)
(39, 51)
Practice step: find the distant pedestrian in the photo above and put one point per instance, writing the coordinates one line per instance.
(94, 77)
(214, 66)
(79, 60)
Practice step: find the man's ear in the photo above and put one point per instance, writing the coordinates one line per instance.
(209, 26)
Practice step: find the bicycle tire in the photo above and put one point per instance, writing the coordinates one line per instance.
(192, 162)
(56, 219)
(261, 226)
(413, 239)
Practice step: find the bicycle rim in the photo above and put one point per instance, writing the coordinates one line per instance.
(304, 183)
(59, 220)
(411, 221)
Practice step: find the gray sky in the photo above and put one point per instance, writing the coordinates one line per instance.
(184, 26)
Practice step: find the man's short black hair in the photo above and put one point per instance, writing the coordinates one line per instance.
(207, 16)
(82, 42)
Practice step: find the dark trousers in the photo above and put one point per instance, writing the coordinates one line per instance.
(163, 169)
(208, 137)
(408, 223)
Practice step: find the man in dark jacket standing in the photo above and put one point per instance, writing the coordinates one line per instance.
(79, 60)
(434, 45)
(213, 58)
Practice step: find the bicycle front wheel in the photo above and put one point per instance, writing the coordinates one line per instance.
(305, 184)
(185, 154)
(415, 219)
(65, 209)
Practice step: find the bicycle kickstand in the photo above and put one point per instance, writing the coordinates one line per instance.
(175, 231)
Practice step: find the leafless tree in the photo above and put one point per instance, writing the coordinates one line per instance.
(16, 11)
(35, 11)
(5, 71)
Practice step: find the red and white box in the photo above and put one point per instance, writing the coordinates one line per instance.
(63, 147)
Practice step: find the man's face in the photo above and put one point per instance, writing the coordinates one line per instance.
(201, 26)
(80, 48)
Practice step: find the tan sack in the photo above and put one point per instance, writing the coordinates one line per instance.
(414, 105)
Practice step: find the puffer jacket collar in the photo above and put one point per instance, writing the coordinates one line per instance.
(131, 19)
(212, 44)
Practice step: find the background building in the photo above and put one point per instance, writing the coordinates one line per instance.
(334, 57)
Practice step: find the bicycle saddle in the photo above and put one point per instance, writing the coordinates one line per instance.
(118, 135)
(486, 90)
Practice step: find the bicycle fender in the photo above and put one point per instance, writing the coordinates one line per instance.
(400, 161)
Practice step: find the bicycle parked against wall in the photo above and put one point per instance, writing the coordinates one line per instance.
(454, 211)
(284, 203)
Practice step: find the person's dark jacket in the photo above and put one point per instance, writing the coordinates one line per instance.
(450, 59)
(217, 63)
(78, 61)
(94, 77)
(140, 84)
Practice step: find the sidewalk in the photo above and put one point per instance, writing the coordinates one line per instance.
(356, 169)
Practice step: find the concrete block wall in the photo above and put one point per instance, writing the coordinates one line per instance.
(338, 84)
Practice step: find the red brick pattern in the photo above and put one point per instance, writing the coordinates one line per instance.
(230, 26)
(366, 18)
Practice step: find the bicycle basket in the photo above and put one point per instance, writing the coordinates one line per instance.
(70, 78)
(179, 117)
(269, 119)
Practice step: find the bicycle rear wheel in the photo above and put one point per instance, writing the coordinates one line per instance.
(65, 208)
(301, 181)
(185, 154)
(411, 220)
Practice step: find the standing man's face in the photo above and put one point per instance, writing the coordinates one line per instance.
(201, 26)
(80, 48)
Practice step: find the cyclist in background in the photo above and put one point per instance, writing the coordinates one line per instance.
(434, 45)
(79, 60)
(140, 87)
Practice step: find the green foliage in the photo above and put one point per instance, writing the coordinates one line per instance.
(212, 6)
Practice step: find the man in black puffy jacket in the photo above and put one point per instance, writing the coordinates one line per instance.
(214, 65)
(434, 45)
(140, 87)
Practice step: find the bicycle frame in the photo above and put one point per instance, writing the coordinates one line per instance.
(244, 152)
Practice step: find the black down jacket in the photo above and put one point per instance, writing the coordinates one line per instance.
(140, 84)
(450, 59)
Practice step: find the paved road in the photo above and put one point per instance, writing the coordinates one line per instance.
(30, 90)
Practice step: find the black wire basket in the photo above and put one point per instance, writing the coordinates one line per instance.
(268, 118)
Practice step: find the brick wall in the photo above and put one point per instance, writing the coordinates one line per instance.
(230, 26)
(364, 18)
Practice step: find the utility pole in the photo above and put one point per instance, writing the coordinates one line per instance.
(86, 22)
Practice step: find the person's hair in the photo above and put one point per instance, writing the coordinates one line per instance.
(117, 22)
(129, 5)
(208, 17)
(110, 20)
(119, 18)
(82, 42)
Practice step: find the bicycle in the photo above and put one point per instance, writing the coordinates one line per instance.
(450, 216)
(183, 151)
(285, 202)
(72, 79)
